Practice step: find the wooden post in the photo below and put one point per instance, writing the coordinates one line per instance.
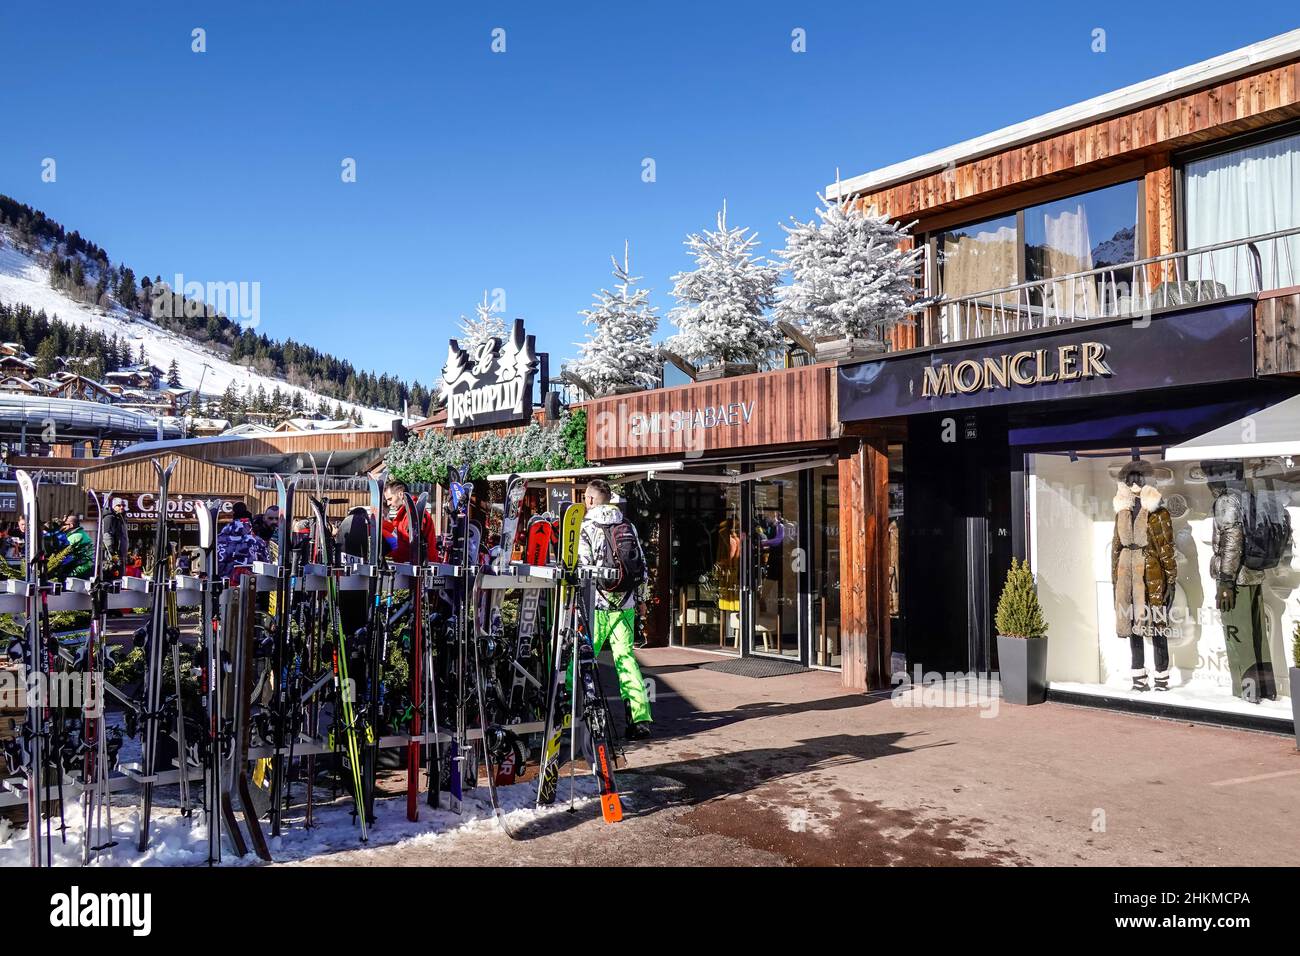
(864, 548)
(1161, 228)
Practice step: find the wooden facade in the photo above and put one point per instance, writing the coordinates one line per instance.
(193, 478)
(1142, 144)
(767, 411)
(1277, 332)
(276, 444)
(1149, 134)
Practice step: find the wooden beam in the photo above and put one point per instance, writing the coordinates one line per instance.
(864, 555)
(1161, 225)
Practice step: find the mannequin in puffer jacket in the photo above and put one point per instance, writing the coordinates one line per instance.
(1143, 570)
(1237, 587)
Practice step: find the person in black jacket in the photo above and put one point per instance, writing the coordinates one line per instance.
(116, 543)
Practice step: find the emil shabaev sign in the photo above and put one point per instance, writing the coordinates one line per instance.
(493, 384)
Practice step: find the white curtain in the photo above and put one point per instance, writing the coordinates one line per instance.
(1068, 249)
(974, 264)
(1248, 192)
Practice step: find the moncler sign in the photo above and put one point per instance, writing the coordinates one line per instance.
(493, 383)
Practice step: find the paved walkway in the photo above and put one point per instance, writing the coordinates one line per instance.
(797, 771)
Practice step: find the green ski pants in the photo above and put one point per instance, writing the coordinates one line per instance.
(619, 629)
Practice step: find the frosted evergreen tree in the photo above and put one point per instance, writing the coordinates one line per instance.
(849, 276)
(723, 301)
(485, 324)
(620, 350)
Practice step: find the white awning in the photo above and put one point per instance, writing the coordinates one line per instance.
(633, 472)
(675, 471)
(1271, 432)
(739, 478)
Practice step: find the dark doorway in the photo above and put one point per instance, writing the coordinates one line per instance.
(958, 538)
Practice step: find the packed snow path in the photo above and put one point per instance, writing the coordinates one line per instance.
(182, 841)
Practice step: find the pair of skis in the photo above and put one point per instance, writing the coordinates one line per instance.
(423, 686)
(345, 722)
(36, 735)
(576, 676)
(156, 644)
(97, 816)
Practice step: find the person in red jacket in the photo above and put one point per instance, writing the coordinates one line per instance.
(397, 527)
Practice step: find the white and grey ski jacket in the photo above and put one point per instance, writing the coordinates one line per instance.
(593, 551)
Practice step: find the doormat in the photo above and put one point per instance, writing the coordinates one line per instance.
(756, 667)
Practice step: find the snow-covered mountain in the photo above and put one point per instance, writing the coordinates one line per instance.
(25, 280)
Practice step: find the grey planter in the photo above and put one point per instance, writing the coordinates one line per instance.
(725, 370)
(847, 349)
(1022, 666)
(1294, 673)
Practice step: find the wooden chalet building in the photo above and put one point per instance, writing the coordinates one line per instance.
(1120, 284)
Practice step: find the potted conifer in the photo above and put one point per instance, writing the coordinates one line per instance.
(1022, 638)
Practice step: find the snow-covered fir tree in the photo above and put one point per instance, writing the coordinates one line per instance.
(849, 276)
(620, 350)
(721, 316)
(485, 324)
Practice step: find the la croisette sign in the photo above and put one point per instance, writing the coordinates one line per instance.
(143, 506)
(493, 383)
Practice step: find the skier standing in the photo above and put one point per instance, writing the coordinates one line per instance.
(397, 527)
(608, 540)
(116, 542)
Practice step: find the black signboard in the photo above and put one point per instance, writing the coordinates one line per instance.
(1190, 347)
(491, 384)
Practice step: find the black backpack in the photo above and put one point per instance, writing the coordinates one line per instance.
(1267, 531)
(625, 551)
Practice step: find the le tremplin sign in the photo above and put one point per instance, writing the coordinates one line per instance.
(1191, 347)
(493, 383)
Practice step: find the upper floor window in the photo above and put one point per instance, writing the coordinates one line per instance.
(1041, 244)
(978, 257)
(1089, 231)
(1252, 191)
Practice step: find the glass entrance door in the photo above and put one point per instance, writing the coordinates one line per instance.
(755, 563)
(706, 566)
(778, 563)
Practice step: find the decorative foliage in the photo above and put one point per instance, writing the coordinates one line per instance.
(620, 352)
(850, 278)
(1295, 645)
(722, 317)
(485, 325)
(535, 447)
(1019, 613)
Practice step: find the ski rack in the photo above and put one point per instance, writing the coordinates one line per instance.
(133, 592)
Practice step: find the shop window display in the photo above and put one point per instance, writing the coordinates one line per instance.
(1168, 580)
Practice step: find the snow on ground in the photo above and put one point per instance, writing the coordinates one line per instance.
(183, 841)
(23, 280)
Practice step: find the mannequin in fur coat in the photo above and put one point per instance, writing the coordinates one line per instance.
(1143, 570)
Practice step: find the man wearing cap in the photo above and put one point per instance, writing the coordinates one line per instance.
(114, 539)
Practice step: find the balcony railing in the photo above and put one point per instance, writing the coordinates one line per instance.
(1130, 289)
(265, 481)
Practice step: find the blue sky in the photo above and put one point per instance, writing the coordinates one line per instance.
(518, 170)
